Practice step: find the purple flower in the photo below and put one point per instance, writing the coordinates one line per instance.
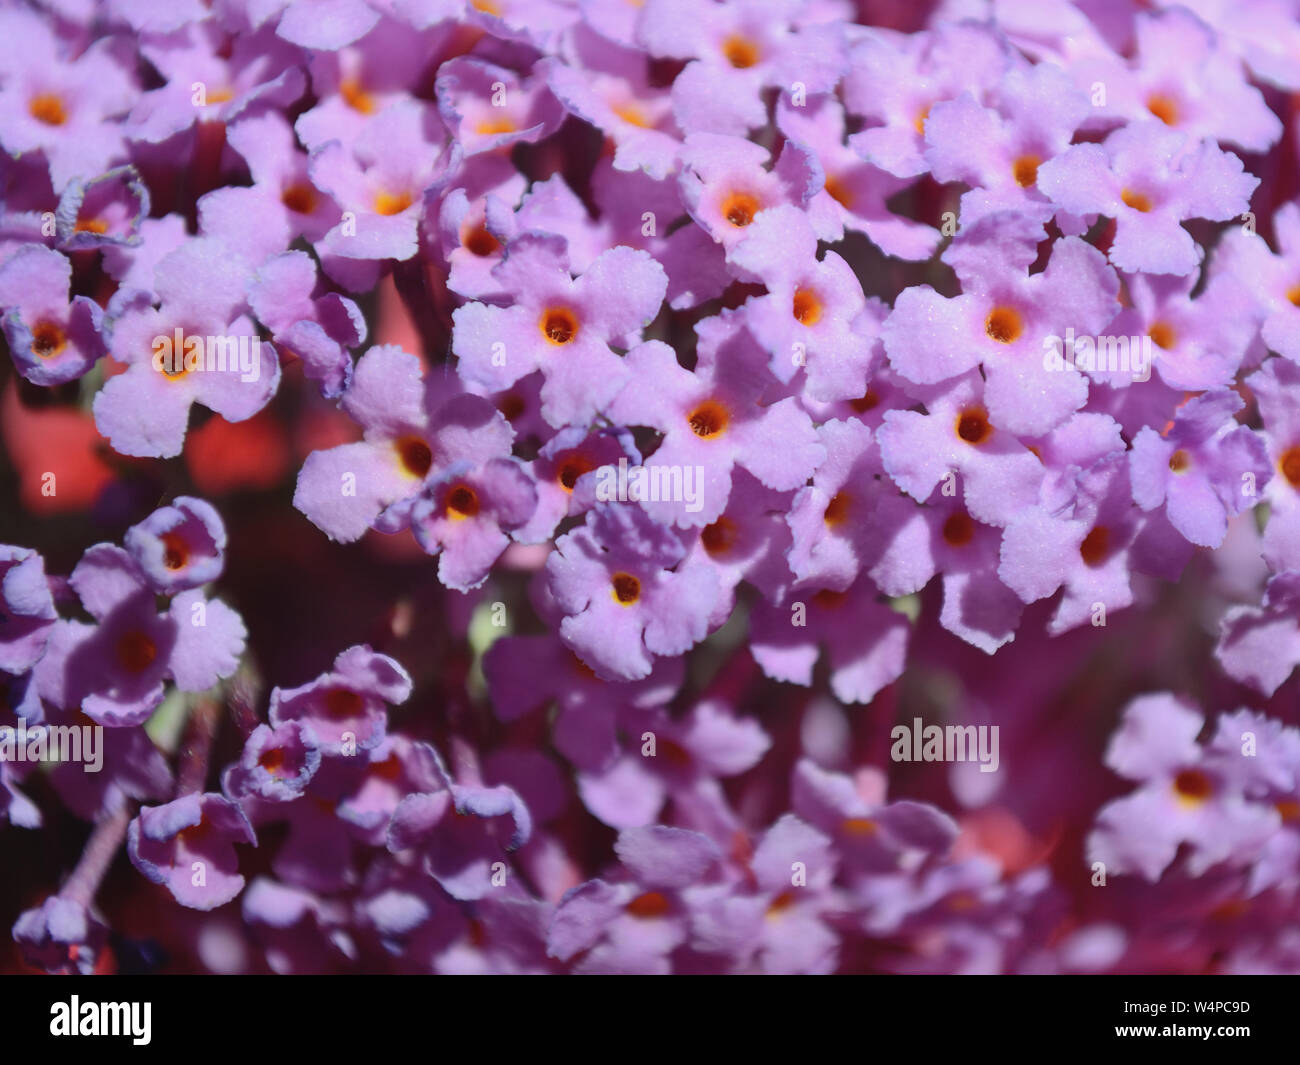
(51, 339)
(27, 613)
(411, 438)
(712, 420)
(115, 669)
(626, 594)
(200, 287)
(563, 327)
(346, 708)
(179, 546)
(188, 846)
(865, 641)
(1260, 646)
(467, 517)
(277, 763)
(1150, 180)
(61, 936)
(1184, 799)
(462, 830)
(1203, 470)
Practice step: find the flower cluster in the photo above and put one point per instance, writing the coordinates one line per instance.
(765, 376)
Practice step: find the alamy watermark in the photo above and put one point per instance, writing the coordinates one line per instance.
(651, 484)
(1102, 354)
(946, 743)
(178, 355)
(54, 743)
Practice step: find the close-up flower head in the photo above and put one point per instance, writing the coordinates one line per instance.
(650, 487)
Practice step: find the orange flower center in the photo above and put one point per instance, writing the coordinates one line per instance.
(1289, 466)
(867, 401)
(1095, 546)
(176, 552)
(1162, 335)
(651, 904)
(300, 197)
(709, 419)
(1192, 787)
(136, 651)
(626, 588)
(415, 456)
(343, 703)
(478, 241)
(272, 761)
(356, 97)
(47, 107)
(739, 209)
(958, 529)
(559, 325)
(719, 537)
(1163, 107)
(1179, 461)
(973, 426)
(1025, 170)
(48, 340)
(1137, 200)
(839, 192)
(573, 467)
(462, 502)
(859, 826)
(837, 510)
(807, 306)
(740, 51)
(1004, 325)
(391, 203)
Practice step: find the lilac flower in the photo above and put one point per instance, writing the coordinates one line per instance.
(784, 925)
(51, 339)
(277, 763)
(1276, 386)
(712, 420)
(346, 708)
(461, 830)
(808, 316)
(378, 181)
(894, 82)
(114, 670)
(318, 330)
(736, 50)
(1087, 547)
(1260, 646)
(412, 435)
(27, 614)
(1200, 342)
(634, 925)
(865, 641)
(956, 441)
(102, 212)
(562, 327)
(488, 108)
(1150, 180)
(725, 184)
(467, 517)
(145, 411)
(61, 936)
(1204, 469)
(854, 193)
(62, 105)
(998, 151)
(188, 847)
(1273, 279)
(179, 546)
(1182, 800)
(625, 594)
(1003, 320)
